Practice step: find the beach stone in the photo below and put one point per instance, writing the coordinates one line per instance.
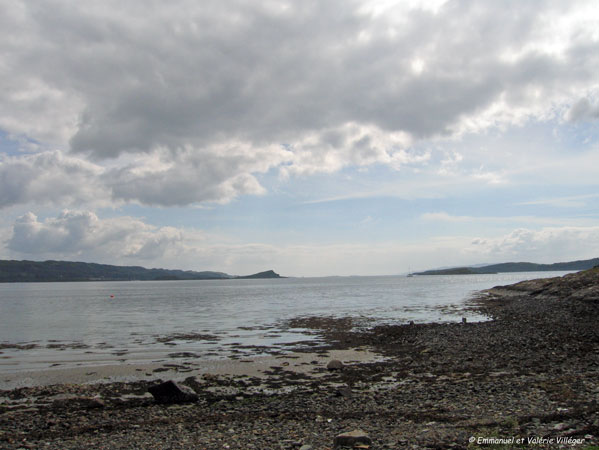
(78, 402)
(343, 391)
(171, 392)
(352, 438)
(335, 364)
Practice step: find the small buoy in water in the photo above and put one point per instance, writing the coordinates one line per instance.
(111, 296)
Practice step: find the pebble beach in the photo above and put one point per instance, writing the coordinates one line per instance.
(527, 378)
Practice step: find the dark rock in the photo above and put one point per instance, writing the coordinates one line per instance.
(352, 438)
(171, 392)
(335, 364)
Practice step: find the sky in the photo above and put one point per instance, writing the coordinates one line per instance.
(310, 137)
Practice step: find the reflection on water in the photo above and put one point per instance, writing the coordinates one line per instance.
(46, 323)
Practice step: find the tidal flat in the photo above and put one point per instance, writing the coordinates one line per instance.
(529, 375)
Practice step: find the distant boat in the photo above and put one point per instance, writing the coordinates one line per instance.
(410, 274)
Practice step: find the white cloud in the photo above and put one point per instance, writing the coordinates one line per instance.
(50, 178)
(351, 144)
(159, 178)
(216, 174)
(549, 244)
(82, 235)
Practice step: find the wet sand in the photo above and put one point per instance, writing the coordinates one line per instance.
(302, 363)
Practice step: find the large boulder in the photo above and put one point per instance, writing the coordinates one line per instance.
(171, 392)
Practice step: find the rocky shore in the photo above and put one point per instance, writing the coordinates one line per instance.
(528, 378)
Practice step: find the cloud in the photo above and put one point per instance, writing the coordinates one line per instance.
(583, 110)
(159, 178)
(351, 144)
(217, 174)
(82, 235)
(49, 178)
(110, 79)
(550, 244)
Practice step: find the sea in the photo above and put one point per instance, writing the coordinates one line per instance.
(63, 323)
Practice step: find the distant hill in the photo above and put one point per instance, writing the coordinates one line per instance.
(26, 271)
(516, 267)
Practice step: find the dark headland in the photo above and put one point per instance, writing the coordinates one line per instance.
(36, 271)
(528, 378)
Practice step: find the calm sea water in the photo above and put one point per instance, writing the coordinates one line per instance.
(46, 323)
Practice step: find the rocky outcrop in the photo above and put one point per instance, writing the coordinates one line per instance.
(580, 285)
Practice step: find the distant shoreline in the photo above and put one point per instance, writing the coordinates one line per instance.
(12, 271)
(119, 280)
(511, 267)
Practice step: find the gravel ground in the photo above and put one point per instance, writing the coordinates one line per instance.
(529, 378)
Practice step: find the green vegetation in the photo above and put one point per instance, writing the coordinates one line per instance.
(26, 271)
